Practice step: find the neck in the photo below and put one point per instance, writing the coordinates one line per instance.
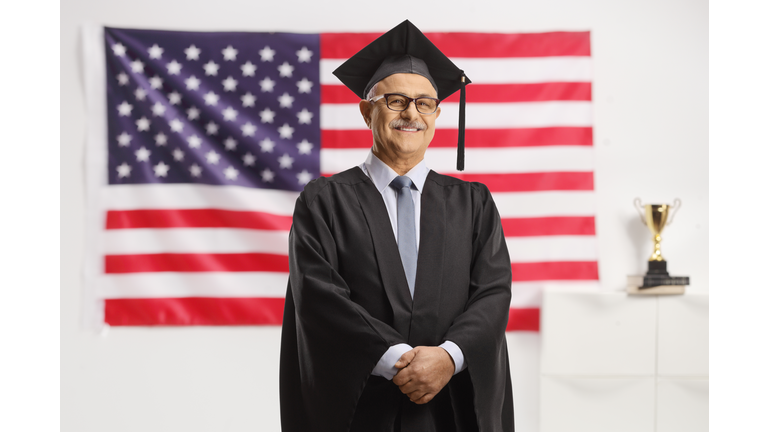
(400, 165)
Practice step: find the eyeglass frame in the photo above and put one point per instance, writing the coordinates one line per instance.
(386, 96)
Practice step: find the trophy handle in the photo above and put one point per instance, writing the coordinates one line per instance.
(675, 208)
(640, 211)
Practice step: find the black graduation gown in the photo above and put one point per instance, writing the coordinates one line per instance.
(348, 301)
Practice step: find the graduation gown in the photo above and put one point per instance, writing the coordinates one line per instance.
(348, 301)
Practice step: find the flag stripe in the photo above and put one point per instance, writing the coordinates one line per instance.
(514, 137)
(170, 262)
(206, 284)
(195, 240)
(468, 45)
(196, 218)
(528, 182)
(523, 319)
(488, 93)
(543, 226)
(545, 204)
(551, 249)
(194, 311)
(523, 272)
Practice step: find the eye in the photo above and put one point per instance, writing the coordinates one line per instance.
(397, 101)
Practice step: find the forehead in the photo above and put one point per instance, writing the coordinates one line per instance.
(408, 84)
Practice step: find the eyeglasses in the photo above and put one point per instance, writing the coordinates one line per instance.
(399, 102)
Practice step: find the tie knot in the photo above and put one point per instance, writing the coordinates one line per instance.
(401, 182)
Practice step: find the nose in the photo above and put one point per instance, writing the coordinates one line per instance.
(410, 111)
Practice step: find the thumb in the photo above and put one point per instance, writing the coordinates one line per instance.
(405, 359)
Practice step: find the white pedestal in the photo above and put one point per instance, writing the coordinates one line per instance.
(615, 362)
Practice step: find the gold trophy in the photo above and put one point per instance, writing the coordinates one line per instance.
(656, 217)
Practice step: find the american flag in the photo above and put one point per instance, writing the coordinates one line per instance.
(206, 139)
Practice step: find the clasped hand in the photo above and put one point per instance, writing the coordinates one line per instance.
(423, 372)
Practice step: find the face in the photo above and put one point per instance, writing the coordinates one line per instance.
(400, 137)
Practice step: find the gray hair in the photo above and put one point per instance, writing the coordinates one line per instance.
(372, 91)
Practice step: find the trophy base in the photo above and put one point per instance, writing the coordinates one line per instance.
(656, 280)
(657, 268)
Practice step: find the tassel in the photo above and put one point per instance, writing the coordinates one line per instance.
(462, 109)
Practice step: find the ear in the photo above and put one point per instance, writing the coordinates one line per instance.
(437, 113)
(365, 110)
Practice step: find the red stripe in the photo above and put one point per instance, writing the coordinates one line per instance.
(523, 320)
(487, 93)
(563, 270)
(193, 311)
(196, 218)
(472, 45)
(475, 138)
(171, 262)
(530, 182)
(544, 226)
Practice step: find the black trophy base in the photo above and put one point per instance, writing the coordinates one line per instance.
(658, 276)
(657, 268)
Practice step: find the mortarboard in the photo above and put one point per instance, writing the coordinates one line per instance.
(405, 49)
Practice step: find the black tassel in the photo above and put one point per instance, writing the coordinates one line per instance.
(462, 109)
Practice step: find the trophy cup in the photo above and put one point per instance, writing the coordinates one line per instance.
(656, 217)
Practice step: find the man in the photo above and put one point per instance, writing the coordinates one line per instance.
(400, 278)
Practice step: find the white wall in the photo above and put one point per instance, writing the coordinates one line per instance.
(650, 96)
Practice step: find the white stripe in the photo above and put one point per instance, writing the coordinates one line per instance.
(541, 204)
(552, 248)
(502, 70)
(478, 115)
(213, 284)
(481, 160)
(528, 294)
(195, 240)
(188, 196)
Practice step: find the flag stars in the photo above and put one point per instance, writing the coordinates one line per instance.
(124, 109)
(231, 173)
(304, 55)
(123, 170)
(249, 159)
(267, 85)
(140, 94)
(305, 117)
(286, 70)
(211, 128)
(194, 141)
(211, 98)
(195, 170)
(305, 86)
(124, 140)
(267, 116)
(229, 53)
(248, 99)
(155, 51)
(248, 129)
(304, 177)
(174, 67)
(174, 98)
(286, 100)
(267, 145)
(155, 82)
(285, 131)
(122, 78)
(248, 68)
(286, 162)
(161, 169)
(230, 144)
(305, 147)
(229, 84)
(161, 139)
(118, 49)
(142, 154)
(178, 155)
(230, 114)
(137, 66)
(193, 113)
(267, 176)
(142, 124)
(158, 109)
(192, 83)
(176, 125)
(212, 157)
(193, 53)
(211, 68)
(267, 54)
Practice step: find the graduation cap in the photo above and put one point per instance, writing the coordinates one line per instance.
(405, 49)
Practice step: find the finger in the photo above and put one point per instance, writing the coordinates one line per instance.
(424, 399)
(416, 395)
(405, 359)
(401, 378)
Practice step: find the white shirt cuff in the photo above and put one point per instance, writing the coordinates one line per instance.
(386, 365)
(455, 352)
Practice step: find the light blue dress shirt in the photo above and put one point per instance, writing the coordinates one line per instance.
(382, 175)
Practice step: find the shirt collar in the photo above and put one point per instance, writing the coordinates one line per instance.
(382, 175)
